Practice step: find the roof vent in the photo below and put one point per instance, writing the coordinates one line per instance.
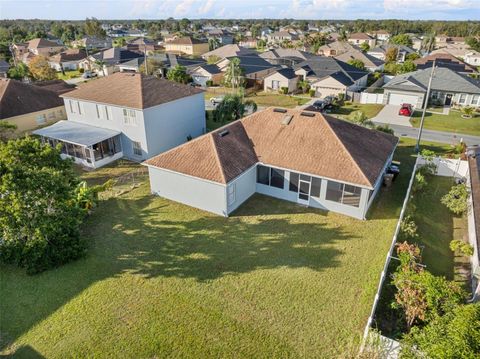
(307, 114)
(287, 119)
(281, 110)
(224, 133)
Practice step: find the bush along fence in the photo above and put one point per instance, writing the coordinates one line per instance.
(410, 289)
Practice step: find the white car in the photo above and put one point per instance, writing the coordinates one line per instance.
(216, 100)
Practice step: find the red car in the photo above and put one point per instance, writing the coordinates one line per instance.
(406, 110)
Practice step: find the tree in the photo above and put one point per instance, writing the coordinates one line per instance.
(357, 63)
(19, 72)
(304, 85)
(407, 66)
(234, 74)
(343, 35)
(413, 56)
(456, 335)
(456, 199)
(93, 27)
(213, 59)
(6, 130)
(232, 108)
(41, 206)
(364, 46)
(392, 68)
(473, 43)
(261, 44)
(153, 67)
(360, 118)
(178, 74)
(100, 64)
(391, 54)
(401, 39)
(40, 69)
(213, 43)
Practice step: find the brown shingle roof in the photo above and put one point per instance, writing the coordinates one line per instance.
(18, 98)
(69, 55)
(39, 43)
(318, 145)
(58, 86)
(132, 90)
(185, 41)
(359, 36)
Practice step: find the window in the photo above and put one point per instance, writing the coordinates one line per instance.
(277, 178)
(334, 191)
(137, 148)
(129, 117)
(462, 98)
(99, 111)
(71, 106)
(293, 185)
(41, 119)
(79, 107)
(231, 194)
(343, 193)
(107, 113)
(475, 99)
(263, 175)
(315, 187)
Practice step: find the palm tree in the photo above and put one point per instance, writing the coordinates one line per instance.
(101, 65)
(428, 42)
(343, 35)
(467, 111)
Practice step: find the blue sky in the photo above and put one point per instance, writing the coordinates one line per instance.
(298, 9)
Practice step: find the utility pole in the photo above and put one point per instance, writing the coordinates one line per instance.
(417, 146)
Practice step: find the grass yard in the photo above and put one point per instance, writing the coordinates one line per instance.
(267, 99)
(370, 109)
(453, 122)
(437, 226)
(275, 280)
(68, 75)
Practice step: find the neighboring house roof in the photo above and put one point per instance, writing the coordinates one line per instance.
(137, 90)
(288, 73)
(359, 36)
(116, 55)
(172, 60)
(58, 86)
(141, 41)
(251, 64)
(185, 41)
(356, 54)
(18, 98)
(280, 34)
(228, 51)
(211, 69)
(69, 55)
(444, 60)
(444, 79)
(39, 43)
(339, 46)
(286, 53)
(4, 65)
(383, 48)
(321, 67)
(134, 63)
(316, 144)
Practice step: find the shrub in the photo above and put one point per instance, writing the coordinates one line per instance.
(283, 90)
(312, 92)
(409, 228)
(456, 199)
(461, 246)
(81, 70)
(209, 83)
(419, 183)
(385, 128)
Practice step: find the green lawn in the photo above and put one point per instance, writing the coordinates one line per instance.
(453, 122)
(275, 280)
(370, 110)
(275, 99)
(437, 226)
(69, 75)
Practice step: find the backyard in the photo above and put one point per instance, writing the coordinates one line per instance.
(370, 110)
(162, 279)
(453, 122)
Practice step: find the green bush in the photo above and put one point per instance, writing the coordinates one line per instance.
(81, 70)
(209, 83)
(461, 246)
(409, 228)
(456, 199)
(283, 90)
(385, 128)
(419, 183)
(312, 92)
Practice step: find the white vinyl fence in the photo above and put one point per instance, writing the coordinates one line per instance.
(448, 167)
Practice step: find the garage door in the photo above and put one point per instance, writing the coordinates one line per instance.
(398, 99)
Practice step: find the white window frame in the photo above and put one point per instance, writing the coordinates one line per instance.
(99, 111)
(79, 105)
(41, 119)
(71, 106)
(231, 194)
(137, 150)
(473, 98)
(460, 99)
(129, 117)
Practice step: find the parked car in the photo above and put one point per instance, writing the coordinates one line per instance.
(393, 169)
(216, 100)
(406, 110)
(89, 74)
(319, 105)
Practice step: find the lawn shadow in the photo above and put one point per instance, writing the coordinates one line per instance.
(151, 237)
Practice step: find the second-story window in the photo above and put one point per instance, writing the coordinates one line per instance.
(129, 117)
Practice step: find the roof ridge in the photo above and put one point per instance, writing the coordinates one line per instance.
(217, 157)
(345, 148)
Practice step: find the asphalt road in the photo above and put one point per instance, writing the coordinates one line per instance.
(435, 136)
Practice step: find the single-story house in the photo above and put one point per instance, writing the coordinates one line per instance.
(448, 88)
(286, 57)
(203, 73)
(444, 60)
(228, 51)
(329, 76)
(255, 68)
(187, 46)
(303, 157)
(371, 63)
(110, 58)
(68, 60)
(281, 78)
(380, 52)
(93, 42)
(28, 106)
(335, 48)
(380, 35)
(359, 38)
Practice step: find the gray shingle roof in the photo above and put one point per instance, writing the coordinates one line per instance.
(321, 67)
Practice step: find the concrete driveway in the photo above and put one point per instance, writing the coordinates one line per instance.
(389, 115)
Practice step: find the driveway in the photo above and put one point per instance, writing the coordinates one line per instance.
(389, 115)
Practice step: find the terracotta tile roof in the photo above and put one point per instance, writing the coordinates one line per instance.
(318, 145)
(132, 90)
(18, 98)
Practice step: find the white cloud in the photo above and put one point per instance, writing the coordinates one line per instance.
(183, 8)
(206, 7)
(430, 5)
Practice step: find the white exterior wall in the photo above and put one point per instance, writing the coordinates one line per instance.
(283, 82)
(192, 191)
(245, 186)
(169, 124)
